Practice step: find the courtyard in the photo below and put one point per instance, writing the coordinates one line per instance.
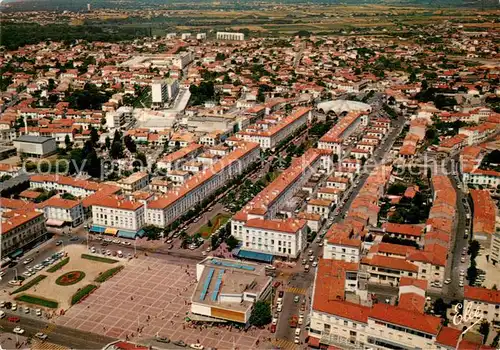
(66, 282)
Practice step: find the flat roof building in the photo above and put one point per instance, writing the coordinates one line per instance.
(227, 290)
(35, 146)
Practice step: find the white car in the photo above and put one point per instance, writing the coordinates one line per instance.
(314, 264)
(447, 281)
(196, 346)
(26, 310)
(38, 312)
(26, 274)
(15, 283)
(460, 284)
(275, 321)
(92, 249)
(41, 336)
(279, 308)
(2, 314)
(27, 261)
(462, 273)
(296, 340)
(14, 307)
(18, 330)
(311, 258)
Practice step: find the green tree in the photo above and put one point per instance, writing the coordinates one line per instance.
(141, 160)
(68, 143)
(473, 250)
(108, 142)
(130, 144)
(232, 242)
(94, 136)
(116, 151)
(261, 314)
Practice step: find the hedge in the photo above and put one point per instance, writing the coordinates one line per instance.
(30, 284)
(108, 274)
(82, 293)
(31, 299)
(59, 265)
(99, 259)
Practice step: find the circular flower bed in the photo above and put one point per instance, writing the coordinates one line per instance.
(70, 278)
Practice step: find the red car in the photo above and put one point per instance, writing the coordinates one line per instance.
(273, 328)
(14, 319)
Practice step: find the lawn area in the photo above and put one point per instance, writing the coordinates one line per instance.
(108, 274)
(59, 265)
(30, 284)
(99, 259)
(217, 221)
(31, 299)
(82, 293)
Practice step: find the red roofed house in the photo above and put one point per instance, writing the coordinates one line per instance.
(488, 300)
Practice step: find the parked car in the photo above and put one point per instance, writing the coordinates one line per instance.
(197, 346)
(162, 339)
(38, 312)
(179, 343)
(59, 242)
(27, 261)
(14, 319)
(2, 314)
(296, 299)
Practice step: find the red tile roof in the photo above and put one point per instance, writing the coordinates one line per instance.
(484, 212)
(404, 229)
(406, 318)
(489, 296)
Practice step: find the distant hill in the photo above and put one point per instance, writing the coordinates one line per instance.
(76, 5)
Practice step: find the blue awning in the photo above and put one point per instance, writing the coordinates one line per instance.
(126, 234)
(16, 253)
(246, 254)
(141, 233)
(98, 229)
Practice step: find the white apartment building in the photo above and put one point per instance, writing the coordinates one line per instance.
(486, 300)
(135, 182)
(76, 187)
(20, 228)
(164, 91)
(320, 206)
(113, 215)
(230, 36)
(335, 137)
(285, 238)
(182, 59)
(269, 201)
(58, 210)
(122, 116)
(175, 203)
(487, 178)
(274, 134)
(342, 249)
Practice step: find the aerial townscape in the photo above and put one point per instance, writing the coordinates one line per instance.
(249, 175)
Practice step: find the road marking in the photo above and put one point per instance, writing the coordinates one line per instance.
(39, 345)
(302, 291)
(284, 344)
